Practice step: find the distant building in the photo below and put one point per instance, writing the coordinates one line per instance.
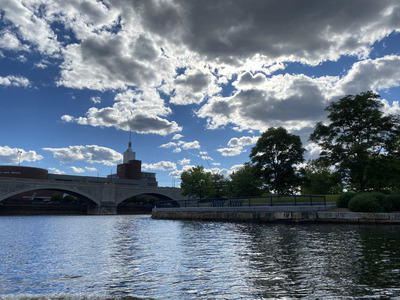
(132, 169)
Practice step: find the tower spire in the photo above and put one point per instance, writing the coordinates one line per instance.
(130, 140)
(129, 154)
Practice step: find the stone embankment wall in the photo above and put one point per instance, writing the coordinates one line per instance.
(275, 214)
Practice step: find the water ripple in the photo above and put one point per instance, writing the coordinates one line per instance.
(135, 257)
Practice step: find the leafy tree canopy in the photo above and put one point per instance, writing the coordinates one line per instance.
(245, 182)
(358, 132)
(197, 183)
(276, 156)
(319, 179)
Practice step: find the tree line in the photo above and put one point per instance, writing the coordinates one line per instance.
(360, 151)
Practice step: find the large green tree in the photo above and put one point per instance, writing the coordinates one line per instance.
(197, 183)
(245, 182)
(357, 134)
(319, 179)
(276, 155)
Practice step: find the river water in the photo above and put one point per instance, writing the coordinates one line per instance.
(135, 257)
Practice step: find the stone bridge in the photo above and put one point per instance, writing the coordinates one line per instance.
(103, 197)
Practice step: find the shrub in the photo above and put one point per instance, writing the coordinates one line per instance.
(343, 200)
(383, 200)
(395, 200)
(365, 203)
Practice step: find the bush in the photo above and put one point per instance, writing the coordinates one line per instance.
(366, 203)
(394, 199)
(343, 200)
(383, 200)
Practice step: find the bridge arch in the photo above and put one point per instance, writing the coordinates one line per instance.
(162, 195)
(72, 191)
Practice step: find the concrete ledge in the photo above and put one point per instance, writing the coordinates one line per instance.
(274, 214)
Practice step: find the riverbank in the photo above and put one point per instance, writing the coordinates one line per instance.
(317, 213)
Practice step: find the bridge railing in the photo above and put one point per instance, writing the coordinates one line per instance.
(271, 200)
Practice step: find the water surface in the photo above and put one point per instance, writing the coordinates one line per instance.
(129, 257)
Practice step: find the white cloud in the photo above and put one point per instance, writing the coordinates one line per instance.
(295, 101)
(177, 136)
(17, 81)
(91, 169)
(9, 41)
(230, 151)
(184, 161)
(205, 157)
(142, 112)
(56, 171)
(371, 74)
(77, 170)
(10, 155)
(193, 86)
(190, 145)
(169, 145)
(88, 153)
(161, 166)
(243, 141)
(31, 27)
(95, 100)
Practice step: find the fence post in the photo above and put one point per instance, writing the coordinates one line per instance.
(249, 201)
(310, 200)
(271, 200)
(324, 200)
(295, 200)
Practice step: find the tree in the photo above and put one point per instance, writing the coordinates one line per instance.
(276, 156)
(220, 185)
(245, 182)
(197, 183)
(358, 133)
(319, 179)
(383, 172)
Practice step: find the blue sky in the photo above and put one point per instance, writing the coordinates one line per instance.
(196, 82)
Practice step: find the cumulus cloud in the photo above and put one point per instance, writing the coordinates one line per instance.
(88, 153)
(10, 155)
(371, 74)
(31, 27)
(142, 112)
(230, 151)
(91, 169)
(193, 86)
(161, 166)
(184, 161)
(17, 81)
(182, 144)
(9, 41)
(95, 100)
(243, 141)
(77, 170)
(56, 171)
(310, 32)
(295, 101)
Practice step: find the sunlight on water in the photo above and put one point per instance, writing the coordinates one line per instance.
(135, 257)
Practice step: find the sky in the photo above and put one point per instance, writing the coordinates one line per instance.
(192, 82)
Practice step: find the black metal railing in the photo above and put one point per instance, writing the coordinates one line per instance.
(271, 200)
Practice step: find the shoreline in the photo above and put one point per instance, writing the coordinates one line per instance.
(295, 214)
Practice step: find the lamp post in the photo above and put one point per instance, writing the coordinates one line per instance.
(19, 157)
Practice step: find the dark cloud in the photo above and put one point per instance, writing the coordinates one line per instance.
(310, 31)
(151, 124)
